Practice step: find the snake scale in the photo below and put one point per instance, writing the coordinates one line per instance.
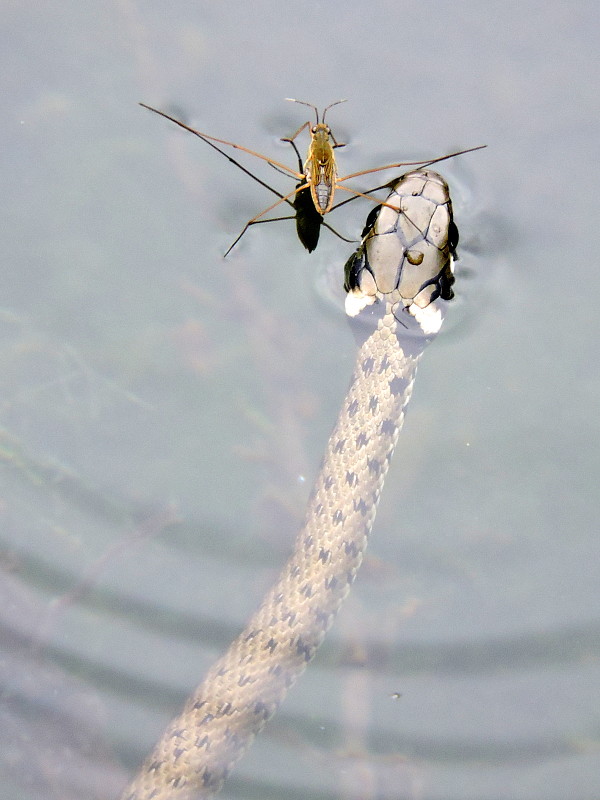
(397, 280)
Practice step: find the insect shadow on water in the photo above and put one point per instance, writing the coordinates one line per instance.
(318, 178)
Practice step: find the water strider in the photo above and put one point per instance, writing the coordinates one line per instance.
(314, 194)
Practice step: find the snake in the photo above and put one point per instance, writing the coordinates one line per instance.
(397, 285)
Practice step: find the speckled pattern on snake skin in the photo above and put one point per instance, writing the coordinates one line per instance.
(398, 280)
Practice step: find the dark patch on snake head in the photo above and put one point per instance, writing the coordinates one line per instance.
(370, 220)
(351, 478)
(306, 590)
(353, 408)
(328, 482)
(178, 751)
(245, 679)
(271, 645)
(453, 236)
(319, 510)
(295, 571)
(155, 766)
(373, 404)
(388, 427)
(446, 281)
(339, 446)
(308, 542)
(325, 555)
(204, 742)
(368, 365)
(252, 634)
(337, 518)
(331, 583)
(397, 386)
(353, 268)
(208, 718)
(361, 440)
(226, 709)
(198, 704)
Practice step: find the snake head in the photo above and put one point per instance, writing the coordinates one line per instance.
(407, 249)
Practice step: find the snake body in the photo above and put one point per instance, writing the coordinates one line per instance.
(398, 280)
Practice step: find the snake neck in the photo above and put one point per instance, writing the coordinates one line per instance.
(245, 686)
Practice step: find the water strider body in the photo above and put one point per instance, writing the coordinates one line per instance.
(320, 168)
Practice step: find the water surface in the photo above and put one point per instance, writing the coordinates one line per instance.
(164, 411)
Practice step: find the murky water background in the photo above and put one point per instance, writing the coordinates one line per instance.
(163, 412)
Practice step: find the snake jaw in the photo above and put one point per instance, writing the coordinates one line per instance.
(429, 319)
(356, 301)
